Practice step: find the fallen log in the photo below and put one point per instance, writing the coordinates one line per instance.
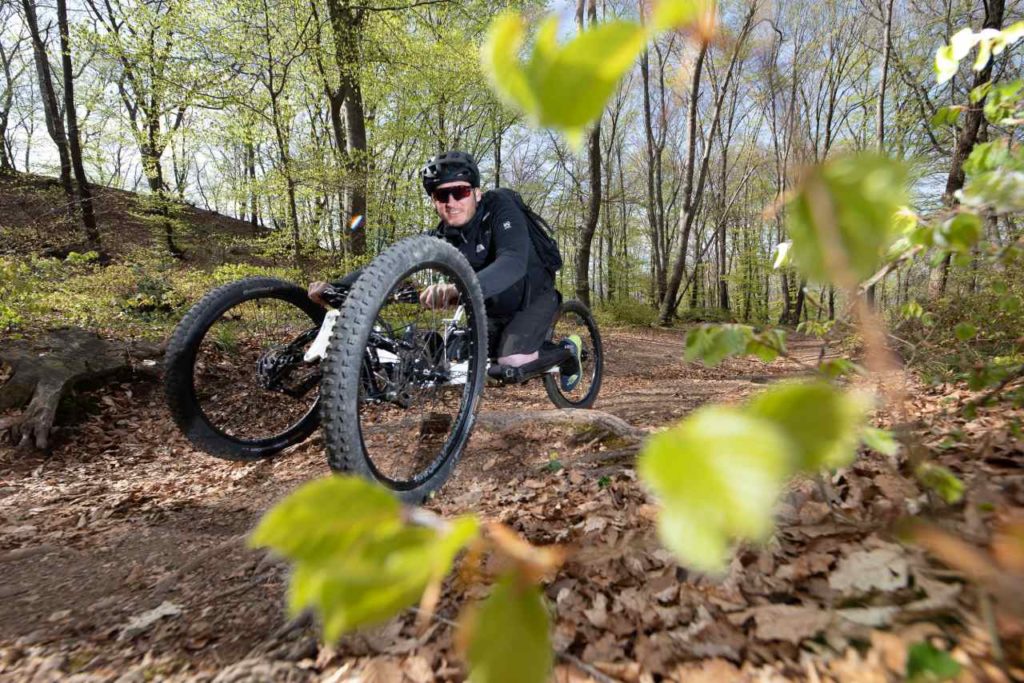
(36, 373)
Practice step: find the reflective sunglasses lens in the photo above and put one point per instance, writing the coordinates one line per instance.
(459, 193)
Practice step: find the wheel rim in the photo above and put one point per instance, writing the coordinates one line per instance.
(571, 323)
(248, 377)
(411, 418)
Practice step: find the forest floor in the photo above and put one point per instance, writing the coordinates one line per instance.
(123, 555)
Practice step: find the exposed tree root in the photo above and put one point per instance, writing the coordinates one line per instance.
(36, 373)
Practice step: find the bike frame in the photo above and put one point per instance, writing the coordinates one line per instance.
(458, 373)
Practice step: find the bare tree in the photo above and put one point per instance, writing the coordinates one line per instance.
(594, 173)
(51, 108)
(693, 194)
(13, 72)
(92, 234)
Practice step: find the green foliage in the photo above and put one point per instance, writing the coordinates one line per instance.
(926, 664)
(959, 233)
(839, 367)
(626, 311)
(816, 328)
(356, 560)
(565, 87)
(718, 473)
(965, 331)
(993, 172)
(946, 116)
(842, 217)
(824, 425)
(940, 480)
(711, 344)
(506, 637)
(881, 441)
(989, 42)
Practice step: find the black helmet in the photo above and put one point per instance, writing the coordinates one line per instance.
(449, 166)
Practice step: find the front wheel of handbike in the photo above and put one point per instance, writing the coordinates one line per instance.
(234, 378)
(575, 319)
(402, 383)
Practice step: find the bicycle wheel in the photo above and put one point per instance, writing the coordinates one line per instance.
(234, 376)
(402, 384)
(575, 319)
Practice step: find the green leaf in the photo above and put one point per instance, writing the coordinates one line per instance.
(927, 663)
(674, 14)
(999, 287)
(782, 257)
(978, 94)
(711, 344)
(962, 42)
(841, 217)
(560, 86)
(965, 331)
(356, 561)
(881, 441)
(327, 516)
(839, 367)
(767, 346)
(1010, 304)
(946, 116)
(946, 64)
(987, 156)
(941, 481)
(718, 474)
(507, 635)
(499, 56)
(961, 232)
(823, 424)
(1003, 102)
(912, 309)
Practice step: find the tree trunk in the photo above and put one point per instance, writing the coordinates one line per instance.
(689, 209)
(51, 109)
(346, 24)
(6, 158)
(654, 218)
(964, 144)
(594, 203)
(92, 234)
(355, 127)
(880, 113)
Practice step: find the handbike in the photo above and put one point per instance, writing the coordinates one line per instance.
(398, 387)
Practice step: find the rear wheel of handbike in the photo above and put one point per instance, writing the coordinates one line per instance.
(575, 319)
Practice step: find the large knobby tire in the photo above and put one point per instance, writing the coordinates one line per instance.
(211, 381)
(574, 318)
(411, 440)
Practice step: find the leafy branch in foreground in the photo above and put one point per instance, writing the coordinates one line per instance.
(359, 558)
(565, 87)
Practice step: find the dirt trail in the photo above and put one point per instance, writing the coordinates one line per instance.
(125, 518)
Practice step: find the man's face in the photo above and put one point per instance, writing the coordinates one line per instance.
(453, 211)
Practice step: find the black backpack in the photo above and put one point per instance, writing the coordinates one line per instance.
(541, 234)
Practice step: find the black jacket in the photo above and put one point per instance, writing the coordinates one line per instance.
(497, 243)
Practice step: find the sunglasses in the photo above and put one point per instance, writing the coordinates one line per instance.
(460, 192)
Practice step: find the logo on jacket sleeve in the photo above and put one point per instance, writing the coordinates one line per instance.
(507, 225)
(480, 248)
